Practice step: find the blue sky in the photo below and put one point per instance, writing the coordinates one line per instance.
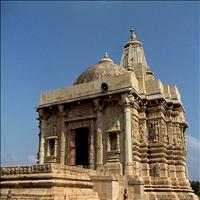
(46, 45)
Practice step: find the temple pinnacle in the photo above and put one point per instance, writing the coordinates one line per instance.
(105, 58)
(106, 55)
(133, 36)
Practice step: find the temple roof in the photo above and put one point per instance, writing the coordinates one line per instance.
(106, 68)
(133, 74)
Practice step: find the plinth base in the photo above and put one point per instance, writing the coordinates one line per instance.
(114, 168)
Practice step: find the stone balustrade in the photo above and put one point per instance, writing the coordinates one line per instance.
(46, 168)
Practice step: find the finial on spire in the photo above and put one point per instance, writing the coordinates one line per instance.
(133, 36)
(105, 58)
(106, 55)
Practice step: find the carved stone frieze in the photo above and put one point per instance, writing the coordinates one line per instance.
(45, 168)
(25, 169)
(79, 112)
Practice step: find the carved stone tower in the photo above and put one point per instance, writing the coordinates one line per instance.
(120, 127)
(133, 59)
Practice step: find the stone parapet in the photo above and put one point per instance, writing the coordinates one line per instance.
(87, 90)
(48, 181)
(39, 169)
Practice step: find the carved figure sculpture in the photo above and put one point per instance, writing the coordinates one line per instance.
(125, 194)
(113, 124)
(155, 171)
(153, 131)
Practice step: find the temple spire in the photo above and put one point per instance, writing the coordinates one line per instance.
(133, 58)
(133, 54)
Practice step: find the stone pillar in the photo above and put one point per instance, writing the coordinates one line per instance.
(127, 100)
(128, 141)
(62, 135)
(91, 153)
(99, 129)
(42, 134)
(118, 143)
(108, 142)
(56, 147)
(48, 148)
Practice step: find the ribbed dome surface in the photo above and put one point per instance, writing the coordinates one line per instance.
(104, 69)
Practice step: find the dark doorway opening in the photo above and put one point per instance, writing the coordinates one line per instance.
(81, 141)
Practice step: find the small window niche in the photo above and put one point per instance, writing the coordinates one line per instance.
(51, 149)
(113, 141)
(113, 146)
(113, 164)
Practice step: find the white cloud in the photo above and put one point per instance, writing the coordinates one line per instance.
(193, 157)
(9, 159)
(31, 159)
(12, 159)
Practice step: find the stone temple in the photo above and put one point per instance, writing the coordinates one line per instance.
(117, 133)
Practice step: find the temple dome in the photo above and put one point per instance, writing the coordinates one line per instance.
(106, 68)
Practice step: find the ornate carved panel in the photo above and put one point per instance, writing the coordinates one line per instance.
(113, 124)
(142, 130)
(153, 131)
(79, 112)
(155, 170)
(164, 134)
(135, 130)
(177, 134)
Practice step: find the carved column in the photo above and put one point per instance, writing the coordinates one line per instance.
(42, 134)
(127, 100)
(62, 135)
(55, 148)
(91, 153)
(118, 144)
(47, 148)
(108, 142)
(99, 129)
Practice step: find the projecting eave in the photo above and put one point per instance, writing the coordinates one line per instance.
(155, 89)
(118, 84)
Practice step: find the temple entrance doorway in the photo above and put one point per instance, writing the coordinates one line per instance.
(82, 146)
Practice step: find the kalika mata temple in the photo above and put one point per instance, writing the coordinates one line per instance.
(116, 134)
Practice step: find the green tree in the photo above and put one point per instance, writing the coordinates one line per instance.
(196, 187)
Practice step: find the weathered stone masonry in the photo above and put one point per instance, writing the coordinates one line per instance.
(117, 132)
